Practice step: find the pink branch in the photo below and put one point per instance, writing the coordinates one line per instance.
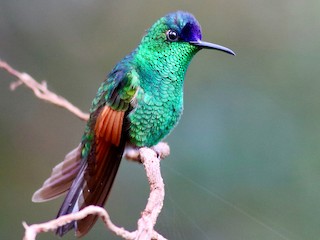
(41, 91)
(32, 231)
(155, 202)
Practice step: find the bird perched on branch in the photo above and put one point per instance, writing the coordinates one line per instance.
(138, 104)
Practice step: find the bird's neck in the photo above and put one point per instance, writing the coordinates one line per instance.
(162, 71)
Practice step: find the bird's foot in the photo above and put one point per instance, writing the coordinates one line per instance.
(162, 149)
(132, 153)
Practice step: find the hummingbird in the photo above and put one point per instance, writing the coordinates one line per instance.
(138, 104)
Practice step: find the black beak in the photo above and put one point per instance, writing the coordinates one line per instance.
(208, 45)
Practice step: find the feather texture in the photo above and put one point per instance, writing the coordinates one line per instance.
(61, 177)
(96, 176)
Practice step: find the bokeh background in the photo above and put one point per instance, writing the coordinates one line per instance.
(245, 161)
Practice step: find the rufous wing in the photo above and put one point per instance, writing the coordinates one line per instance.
(97, 175)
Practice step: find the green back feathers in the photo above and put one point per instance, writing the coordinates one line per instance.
(151, 80)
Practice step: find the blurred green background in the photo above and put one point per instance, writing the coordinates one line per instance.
(245, 161)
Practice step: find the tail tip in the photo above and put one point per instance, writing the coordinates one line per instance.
(64, 229)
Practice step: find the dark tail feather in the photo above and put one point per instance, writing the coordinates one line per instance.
(91, 187)
(69, 204)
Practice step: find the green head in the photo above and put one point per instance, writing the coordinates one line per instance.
(178, 33)
(169, 45)
(160, 63)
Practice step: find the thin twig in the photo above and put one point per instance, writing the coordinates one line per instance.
(41, 91)
(32, 230)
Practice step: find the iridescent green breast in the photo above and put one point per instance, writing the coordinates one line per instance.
(153, 119)
(159, 101)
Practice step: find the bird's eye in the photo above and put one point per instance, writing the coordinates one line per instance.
(172, 35)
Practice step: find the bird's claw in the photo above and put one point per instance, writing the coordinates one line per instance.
(162, 150)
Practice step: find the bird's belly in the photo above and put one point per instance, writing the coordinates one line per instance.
(151, 122)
